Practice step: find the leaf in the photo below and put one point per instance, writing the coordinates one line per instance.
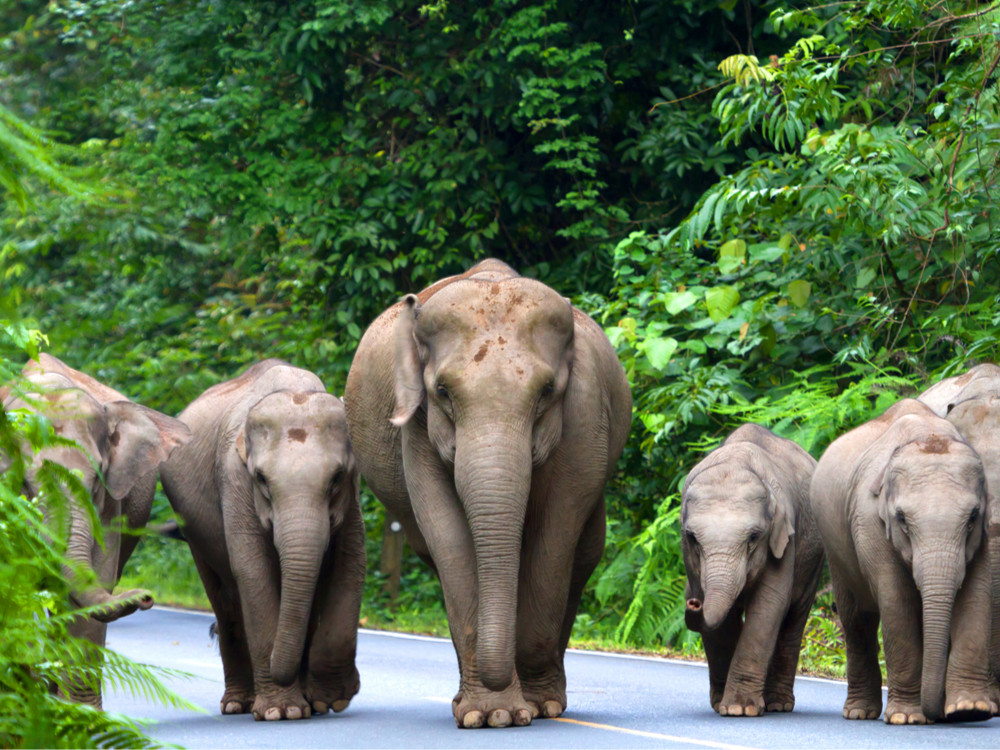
(720, 301)
(765, 253)
(676, 302)
(798, 292)
(658, 351)
(865, 277)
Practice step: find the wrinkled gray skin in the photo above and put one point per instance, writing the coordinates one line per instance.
(753, 558)
(487, 415)
(268, 494)
(971, 402)
(128, 442)
(900, 502)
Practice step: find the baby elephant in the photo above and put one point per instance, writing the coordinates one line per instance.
(971, 402)
(900, 503)
(753, 559)
(268, 493)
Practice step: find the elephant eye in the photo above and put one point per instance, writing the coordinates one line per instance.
(973, 517)
(901, 517)
(261, 478)
(548, 388)
(754, 536)
(692, 539)
(337, 477)
(442, 391)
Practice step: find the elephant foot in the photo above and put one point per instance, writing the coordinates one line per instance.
(235, 701)
(779, 701)
(735, 703)
(900, 713)
(969, 708)
(546, 701)
(289, 704)
(477, 707)
(859, 708)
(325, 692)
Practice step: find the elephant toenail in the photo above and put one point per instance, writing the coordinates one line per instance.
(293, 712)
(551, 709)
(340, 705)
(319, 707)
(272, 714)
(473, 720)
(523, 717)
(500, 718)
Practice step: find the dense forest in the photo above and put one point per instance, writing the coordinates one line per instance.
(779, 212)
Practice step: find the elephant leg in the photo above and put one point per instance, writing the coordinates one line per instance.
(331, 675)
(258, 576)
(88, 691)
(779, 692)
(556, 561)
(994, 560)
(864, 675)
(720, 645)
(445, 531)
(902, 643)
(967, 683)
(767, 607)
(239, 693)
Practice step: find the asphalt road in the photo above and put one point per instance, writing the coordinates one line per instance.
(405, 701)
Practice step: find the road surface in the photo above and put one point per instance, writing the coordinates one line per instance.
(407, 683)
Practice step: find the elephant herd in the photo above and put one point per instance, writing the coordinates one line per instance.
(487, 414)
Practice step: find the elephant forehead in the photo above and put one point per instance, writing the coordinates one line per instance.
(725, 485)
(296, 415)
(515, 305)
(937, 462)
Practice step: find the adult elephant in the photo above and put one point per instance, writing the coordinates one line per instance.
(900, 503)
(127, 442)
(487, 414)
(268, 492)
(971, 402)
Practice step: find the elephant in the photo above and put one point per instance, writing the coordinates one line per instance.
(971, 402)
(900, 503)
(267, 493)
(487, 414)
(753, 558)
(127, 442)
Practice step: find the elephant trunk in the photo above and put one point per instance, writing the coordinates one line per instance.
(493, 478)
(723, 579)
(937, 590)
(301, 540)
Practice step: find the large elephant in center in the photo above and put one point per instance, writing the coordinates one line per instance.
(487, 414)
(971, 402)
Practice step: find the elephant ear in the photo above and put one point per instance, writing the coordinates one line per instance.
(881, 494)
(782, 518)
(139, 440)
(780, 506)
(408, 369)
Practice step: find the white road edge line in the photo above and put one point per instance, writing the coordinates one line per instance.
(604, 654)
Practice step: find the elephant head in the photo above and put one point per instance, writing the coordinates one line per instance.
(490, 362)
(117, 444)
(932, 501)
(735, 517)
(301, 473)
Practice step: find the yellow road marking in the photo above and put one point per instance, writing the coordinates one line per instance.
(654, 735)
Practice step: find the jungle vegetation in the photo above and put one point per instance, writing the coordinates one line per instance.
(780, 212)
